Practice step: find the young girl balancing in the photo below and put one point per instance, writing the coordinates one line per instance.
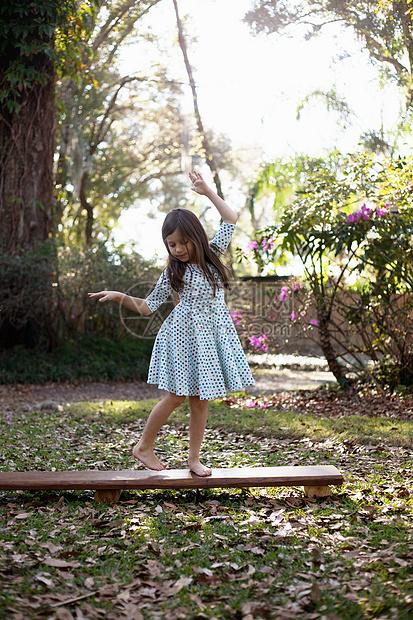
(197, 352)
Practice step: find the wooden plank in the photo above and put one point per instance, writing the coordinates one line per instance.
(317, 475)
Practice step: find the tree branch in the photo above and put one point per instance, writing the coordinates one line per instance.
(115, 17)
(205, 144)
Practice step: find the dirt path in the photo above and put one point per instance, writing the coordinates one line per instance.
(67, 392)
(267, 381)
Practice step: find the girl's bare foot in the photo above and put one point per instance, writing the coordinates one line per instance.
(148, 458)
(197, 468)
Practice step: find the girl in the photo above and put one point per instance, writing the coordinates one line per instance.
(197, 352)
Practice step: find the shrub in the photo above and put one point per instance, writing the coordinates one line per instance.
(27, 295)
(88, 358)
(93, 269)
(351, 226)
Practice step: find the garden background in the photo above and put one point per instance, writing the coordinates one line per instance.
(300, 116)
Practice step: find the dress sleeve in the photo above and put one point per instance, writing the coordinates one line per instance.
(160, 293)
(222, 239)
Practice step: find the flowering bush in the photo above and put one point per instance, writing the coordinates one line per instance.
(259, 343)
(237, 317)
(358, 264)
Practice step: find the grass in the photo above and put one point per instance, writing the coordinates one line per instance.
(270, 423)
(260, 553)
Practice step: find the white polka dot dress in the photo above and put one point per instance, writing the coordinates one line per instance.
(197, 350)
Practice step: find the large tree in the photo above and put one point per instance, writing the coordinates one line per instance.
(37, 39)
(385, 28)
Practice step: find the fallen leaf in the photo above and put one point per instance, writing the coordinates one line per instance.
(89, 583)
(60, 563)
(63, 614)
(182, 582)
(124, 596)
(315, 592)
(24, 515)
(40, 577)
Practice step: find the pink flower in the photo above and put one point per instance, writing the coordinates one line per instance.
(382, 211)
(366, 212)
(258, 343)
(293, 316)
(64, 304)
(264, 406)
(267, 243)
(235, 316)
(250, 403)
(252, 245)
(355, 217)
(72, 316)
(314, 322)
(283, 295)
(296, 287)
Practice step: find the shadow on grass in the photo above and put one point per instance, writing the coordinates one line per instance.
(266, 422)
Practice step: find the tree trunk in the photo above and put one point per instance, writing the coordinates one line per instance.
(27, 263)
(86, 206)
(209, 157)
(327, 348)
(26, 167)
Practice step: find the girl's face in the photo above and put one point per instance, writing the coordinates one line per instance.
(180, 247)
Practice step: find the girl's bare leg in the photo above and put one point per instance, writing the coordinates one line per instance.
(158, 416)
(197, 424)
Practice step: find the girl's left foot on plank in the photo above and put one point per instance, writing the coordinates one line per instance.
(148, 458)
(197, 468)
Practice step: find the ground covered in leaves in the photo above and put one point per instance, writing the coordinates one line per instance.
(224, 554)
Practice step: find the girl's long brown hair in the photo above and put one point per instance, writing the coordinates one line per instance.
(191, 228)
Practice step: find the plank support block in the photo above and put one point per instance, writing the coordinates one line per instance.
(107, 496)
(317, 492)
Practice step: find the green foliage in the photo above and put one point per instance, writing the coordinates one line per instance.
(26, 294)
(62, 308)
(384, 28)
(87, 357)
(35, 34)
(332, 101)
(120, 142)
(93, 269)
(391, 374)
(351, 226)
(281, 179)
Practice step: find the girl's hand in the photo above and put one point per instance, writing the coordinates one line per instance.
(106, 295)
(198, 184)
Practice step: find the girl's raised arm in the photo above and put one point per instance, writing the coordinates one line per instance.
(201, 187)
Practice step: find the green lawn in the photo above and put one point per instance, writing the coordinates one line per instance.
(254, 553)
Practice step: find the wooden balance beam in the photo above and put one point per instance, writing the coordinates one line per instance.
(108, 484)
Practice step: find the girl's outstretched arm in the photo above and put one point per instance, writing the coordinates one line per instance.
(200, 187)
(133, 303)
